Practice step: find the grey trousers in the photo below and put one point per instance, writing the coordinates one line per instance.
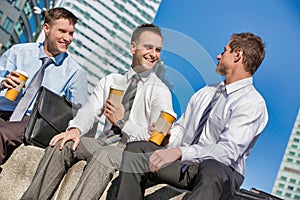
(102, 162)
(209, 179)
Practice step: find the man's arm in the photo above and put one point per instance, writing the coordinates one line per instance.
(88, 114)
(245, 123)
(78, 90)
(160, 100)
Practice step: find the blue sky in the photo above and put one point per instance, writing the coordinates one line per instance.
(196, 32)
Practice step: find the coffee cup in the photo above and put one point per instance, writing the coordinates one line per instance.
(162, 126)
(116, 95)
(12, 93)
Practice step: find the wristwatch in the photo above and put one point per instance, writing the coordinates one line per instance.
(120, 123)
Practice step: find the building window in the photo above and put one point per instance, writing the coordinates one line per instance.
(8, 24)
(19, 26)
(27, 10)
(281, 185)
(290, 187)
(294, 146)
(289, 160)
(293, 180)
(87, 15)
(278, 192)
(296, 140)
(298, 190)
(283, 178)
(297, 197)
(288, 194)
(292, 153)
(17, 3)
(297, 132)
(1, 15)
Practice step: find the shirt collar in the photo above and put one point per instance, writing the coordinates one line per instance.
(230, 88)
(58, 59)
(144, 75)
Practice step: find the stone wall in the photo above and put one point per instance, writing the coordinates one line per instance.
(19, 170)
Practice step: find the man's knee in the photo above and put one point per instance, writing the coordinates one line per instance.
(136, 146)
(56, 151)
(211, 170)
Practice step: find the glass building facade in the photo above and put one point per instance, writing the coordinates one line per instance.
(19, 23)
(102, 37)
(287, 183)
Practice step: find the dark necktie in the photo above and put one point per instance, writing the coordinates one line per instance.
(129, 95)
(30, 92)
(204, 117)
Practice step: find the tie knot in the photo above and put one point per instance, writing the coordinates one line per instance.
(221, 89)
(135, 78)
(47, 61)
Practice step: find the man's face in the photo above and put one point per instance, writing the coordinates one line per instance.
(225, 61)
(59, 35)
(146, 51)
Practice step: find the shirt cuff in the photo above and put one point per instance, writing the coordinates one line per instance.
(188, 154)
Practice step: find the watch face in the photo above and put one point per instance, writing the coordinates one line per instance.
(120, 123)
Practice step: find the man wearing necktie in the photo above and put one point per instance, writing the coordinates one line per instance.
(211, 141)
(144, 98)
(47, 64)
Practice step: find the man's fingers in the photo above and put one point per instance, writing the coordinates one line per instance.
(75, 144)
(55, 139)
(62, 143)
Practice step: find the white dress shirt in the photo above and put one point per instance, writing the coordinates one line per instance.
(231, 130)
(151, 97)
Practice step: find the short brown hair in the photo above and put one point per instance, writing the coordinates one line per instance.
(253, 49)
(145, 27)
(59, 13)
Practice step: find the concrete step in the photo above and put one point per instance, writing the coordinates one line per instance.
(19, 170)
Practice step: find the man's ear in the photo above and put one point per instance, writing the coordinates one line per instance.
(46, 28)
(238, 54)
(133, 47)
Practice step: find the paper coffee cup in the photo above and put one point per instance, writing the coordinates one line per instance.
(162, 126)
(12, 94)
(116, 95)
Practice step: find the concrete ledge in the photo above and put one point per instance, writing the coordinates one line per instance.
(19, 170)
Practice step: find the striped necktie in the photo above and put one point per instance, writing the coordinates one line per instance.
(129, 95)
(127, 102)
(204, 117)
(30, 92)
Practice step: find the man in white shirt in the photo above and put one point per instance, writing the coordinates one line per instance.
(67, 148)
(210, 164)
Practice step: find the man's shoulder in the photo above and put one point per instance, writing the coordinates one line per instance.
(72, 62)
(24, 46)
(154, 78)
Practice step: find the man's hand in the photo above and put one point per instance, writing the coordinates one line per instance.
(166, 139)
(72, 134)
(163, 157)
(113, 112)
(150, 131)
(11, 80)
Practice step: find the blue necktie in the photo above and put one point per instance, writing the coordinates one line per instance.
(30, 92)
(204, 117)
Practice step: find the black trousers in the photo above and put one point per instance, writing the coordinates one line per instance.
(208, 180)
